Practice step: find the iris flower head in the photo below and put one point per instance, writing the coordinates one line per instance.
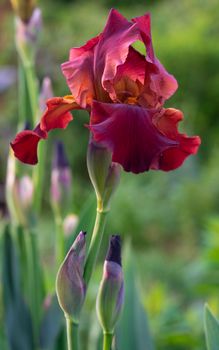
(124, 93)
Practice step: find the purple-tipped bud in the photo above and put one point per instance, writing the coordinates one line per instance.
(111, 292)
(70, 286)
(23, 8)
(45, 93)
(103, 173)
(114, 250)
(61, 178)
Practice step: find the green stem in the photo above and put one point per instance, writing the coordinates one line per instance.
(35, 282)
(72, 334)
(95, 244)
(107, 341)
(24, 109)
(23, 252)
(32, 90)
(38, 177)
(60, 241)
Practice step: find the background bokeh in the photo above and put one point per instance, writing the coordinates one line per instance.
(172, 219)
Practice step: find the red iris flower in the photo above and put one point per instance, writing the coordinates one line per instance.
(124, 92)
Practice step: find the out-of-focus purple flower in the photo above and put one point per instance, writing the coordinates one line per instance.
(46, 93)
(61, 178)
(27, 33)
(111, 292)
(25, 191)
(70, 286)
(7, 77)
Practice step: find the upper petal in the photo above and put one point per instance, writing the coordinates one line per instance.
(144, 25)
(129, 132)
(112, 48)
(78, 72)
(159, 84)
(134, 66)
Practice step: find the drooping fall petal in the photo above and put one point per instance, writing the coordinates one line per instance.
(128, 131)
(57, 115)
(25, 145)
(174, 157)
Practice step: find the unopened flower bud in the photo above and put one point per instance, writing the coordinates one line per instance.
(70, 286)
(61, 178)
(69, 224)
(27, 35)
(111, 292)
(112, 182)
(23, 8)
(103, 173)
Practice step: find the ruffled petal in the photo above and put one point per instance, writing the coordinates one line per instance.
(128, 131)
(144, 25)
(25, 145)
(134, 67)
(78, 72)
(159, 84)
(167, 124)
(163, 83)
(112, 49)
(57, 115)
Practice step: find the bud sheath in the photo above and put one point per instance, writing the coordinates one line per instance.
(111, 292)
(70, 286)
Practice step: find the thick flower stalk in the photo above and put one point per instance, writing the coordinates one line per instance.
(124, 93)
(105, 176)
(111, 291)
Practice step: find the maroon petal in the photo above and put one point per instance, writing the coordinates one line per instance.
(159, 84)
(25, 145)
(134, 67)
(112, 48)
(167, 123)
(144, 25)
(129, 132)
(57, 115)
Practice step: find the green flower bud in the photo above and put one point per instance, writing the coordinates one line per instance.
(70, 286)
(111, 292)
(111, 183)
(103, 173)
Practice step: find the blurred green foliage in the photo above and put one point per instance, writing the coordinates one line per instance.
(172, 218)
